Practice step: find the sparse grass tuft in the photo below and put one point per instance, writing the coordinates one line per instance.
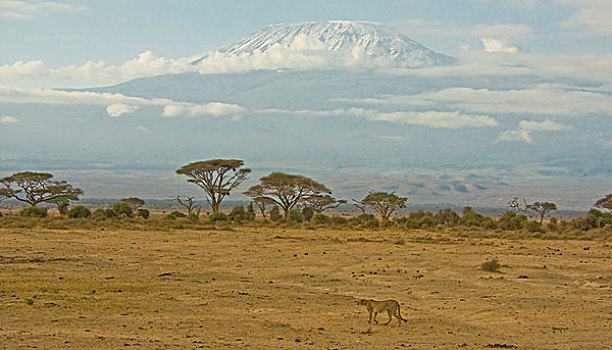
(491, 266)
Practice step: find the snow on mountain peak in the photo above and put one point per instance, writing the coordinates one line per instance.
(335, 43)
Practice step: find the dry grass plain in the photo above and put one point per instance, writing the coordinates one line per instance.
(264, 288)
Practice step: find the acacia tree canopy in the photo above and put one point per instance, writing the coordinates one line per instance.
(321, 202)
(135, 203)
(4, 194)
(541, 208)
(34, 188)
(384, 203)
(285, 190)
(605, 203)
(262, 203)
(217, 177)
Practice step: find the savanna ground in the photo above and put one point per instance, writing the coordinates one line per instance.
(263, 288)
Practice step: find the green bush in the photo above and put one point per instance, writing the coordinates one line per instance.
(99, 214)
(597, 219)
(534, 227)
(175, 214)
(427, 222)
(553, 225)
(472, 218)
(62, 207)
(237, 214)
(79, 212)
(122, 209)
(408, 222)
(367, 220)
(447, 217)
(33, 212)
(275, 214)
(581, 223)
(338, 220)
(419, 214)
(218, 217)
(321, 219)
(249, 216)
(295, 216)
(510, 221)
(308, 213)
(143, 213)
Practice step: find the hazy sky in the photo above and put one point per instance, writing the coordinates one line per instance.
(38, 36)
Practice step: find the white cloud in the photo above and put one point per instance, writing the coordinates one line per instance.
(215, 109)
(118, 109)
(435, 119)
(97, 73)
(31, 9)
(117, 104)
(432, 119)
(547, 125)
(496, 45)
(526, 127)
(501, 58)
(14, 15)
(8, 119)
(592, 17)
(544, 99)
(514, 136)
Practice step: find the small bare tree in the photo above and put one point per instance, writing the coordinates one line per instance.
(514, 205)
(190, 205)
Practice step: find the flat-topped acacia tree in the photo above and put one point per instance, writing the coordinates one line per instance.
(286, 190)
(256, 193)
(35, 188)
(383, 203)
(217, 177)
(321, 202)
(541, 208)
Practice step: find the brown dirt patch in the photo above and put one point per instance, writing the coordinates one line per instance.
(263, 288)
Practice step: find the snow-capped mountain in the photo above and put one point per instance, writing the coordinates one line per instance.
(348, 42)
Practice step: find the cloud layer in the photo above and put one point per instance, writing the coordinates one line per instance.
(526, 127)
(432, 119)
(118, 104)
(543, 99)
(31, 9)
(7, 119)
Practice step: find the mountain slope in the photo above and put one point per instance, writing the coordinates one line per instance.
(347, 41)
